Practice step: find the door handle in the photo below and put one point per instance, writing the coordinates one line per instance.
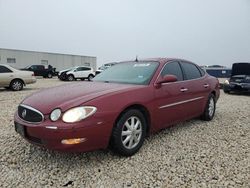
(183, 89)
(206, 85)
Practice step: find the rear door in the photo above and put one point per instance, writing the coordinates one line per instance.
(6, 75)
(83, 72)
(198, 88)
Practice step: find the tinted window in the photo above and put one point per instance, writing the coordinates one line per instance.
(190, 70)
(4, 69)
(83, 69)
(174, 69)
(202, 71)
(37, 67)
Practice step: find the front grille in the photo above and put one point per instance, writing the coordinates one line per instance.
(30, 114)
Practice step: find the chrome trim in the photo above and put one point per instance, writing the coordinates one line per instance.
(183, 89)
(33, 109)
(181, 102)
(51, 127)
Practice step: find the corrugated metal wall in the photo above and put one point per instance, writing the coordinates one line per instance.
(59, 61)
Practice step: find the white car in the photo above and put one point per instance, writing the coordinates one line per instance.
(79, 72)
(15, 79)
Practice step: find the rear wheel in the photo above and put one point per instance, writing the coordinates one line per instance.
(71, 77)
(129, 133)
(50, 75)
(16, 85)
(209, 111)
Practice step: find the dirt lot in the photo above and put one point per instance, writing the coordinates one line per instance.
(193, 153)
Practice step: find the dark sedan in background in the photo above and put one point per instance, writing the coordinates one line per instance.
(239, 80)
(119, 107)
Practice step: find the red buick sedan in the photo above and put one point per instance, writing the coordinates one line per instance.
(119, 107)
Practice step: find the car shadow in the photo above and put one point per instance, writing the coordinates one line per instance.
(240, 93)
(24, 89)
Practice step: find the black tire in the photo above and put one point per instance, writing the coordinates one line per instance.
(50, 75)
(210, 108)
(16, 85)
(225, 89)
(90, 77)
(71, 77)
(137, 135)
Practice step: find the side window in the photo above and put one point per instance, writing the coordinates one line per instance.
(40, 67)
(79, 69)
(33, 67)
(4, 69)
(87, 69)
(174, 69)
(202, 71)
(84, 69)
(191, 71)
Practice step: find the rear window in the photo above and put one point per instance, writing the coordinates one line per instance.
(4, 69)
(191, 71)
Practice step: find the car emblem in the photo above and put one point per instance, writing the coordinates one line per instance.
(24, 113)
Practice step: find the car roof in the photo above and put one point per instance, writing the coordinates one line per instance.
(160, 60)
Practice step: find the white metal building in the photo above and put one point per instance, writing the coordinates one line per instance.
(22, 58)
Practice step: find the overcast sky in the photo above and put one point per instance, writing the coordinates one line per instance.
(203, 31)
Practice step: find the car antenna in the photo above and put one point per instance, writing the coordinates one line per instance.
(136, 59)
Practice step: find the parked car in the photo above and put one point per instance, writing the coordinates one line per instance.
(41, 70)
(79, 72)
(119, 108)
(14, 79)
(104, 67)
(239, 79)
(62, 75)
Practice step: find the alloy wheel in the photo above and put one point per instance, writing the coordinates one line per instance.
(131, 132)
(211, 107)
(17, 85)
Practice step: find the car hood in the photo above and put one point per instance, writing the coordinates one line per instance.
(240, 69)
(72, 94)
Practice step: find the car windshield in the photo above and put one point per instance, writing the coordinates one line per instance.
(129, 73)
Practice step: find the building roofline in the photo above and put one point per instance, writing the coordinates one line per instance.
(53, 53)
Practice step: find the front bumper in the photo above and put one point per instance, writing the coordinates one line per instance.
(49, 134)
(237, 87)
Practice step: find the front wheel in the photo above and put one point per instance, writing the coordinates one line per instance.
(50, 75)
(209, 111)
(129, 133)
(90, 77)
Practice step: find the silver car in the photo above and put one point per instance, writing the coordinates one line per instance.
(15, 79)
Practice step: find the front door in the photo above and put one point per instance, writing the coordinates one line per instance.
(171, 98)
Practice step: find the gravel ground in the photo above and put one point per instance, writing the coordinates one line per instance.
(191, 154)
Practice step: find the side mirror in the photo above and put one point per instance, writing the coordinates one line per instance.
(166, 79)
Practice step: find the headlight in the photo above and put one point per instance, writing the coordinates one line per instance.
(78, 113)
(55, 114)
(226, 82)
